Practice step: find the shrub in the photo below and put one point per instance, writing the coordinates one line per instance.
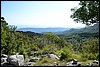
(66, 53)
(58, 53)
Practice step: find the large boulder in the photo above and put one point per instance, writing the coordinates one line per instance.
(17, 60)
(52, 56)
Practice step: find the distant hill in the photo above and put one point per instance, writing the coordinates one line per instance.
(30, 34)
(89, 29)
(43, 30)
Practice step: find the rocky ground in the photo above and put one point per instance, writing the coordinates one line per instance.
(43, 60)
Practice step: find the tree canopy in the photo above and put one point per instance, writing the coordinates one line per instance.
(87, 13)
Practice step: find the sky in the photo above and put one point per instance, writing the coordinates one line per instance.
(39, 13)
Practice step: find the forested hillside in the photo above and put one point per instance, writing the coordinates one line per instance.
(81, 46)
(89, 29)
(77, 36)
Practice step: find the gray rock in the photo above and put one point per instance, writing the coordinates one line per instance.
(17, 60)
(52, 56)
(70, 62)
(4, 56)
(20, 60)
(3, 60)
(74, 62)
(89, 64)
(95, 61)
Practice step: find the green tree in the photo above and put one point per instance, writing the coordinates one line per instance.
(8, 38)
(4, 29)
(51, 38)
(87, 13)
(91, 45)
(90, 48)
(12, 28)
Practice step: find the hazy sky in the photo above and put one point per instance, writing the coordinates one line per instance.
(39, 13)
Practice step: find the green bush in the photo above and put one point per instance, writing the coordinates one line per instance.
(58, 53)
(66, 54)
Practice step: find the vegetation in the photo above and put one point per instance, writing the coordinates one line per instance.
(87, 13)
(80, 44)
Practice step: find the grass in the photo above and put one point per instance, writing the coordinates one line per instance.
(50, 62)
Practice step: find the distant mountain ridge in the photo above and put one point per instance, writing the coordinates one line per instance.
(59, 30)
(89, 29)
(42, 30)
